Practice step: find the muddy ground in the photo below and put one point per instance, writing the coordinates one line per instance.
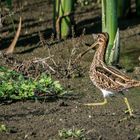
(42, 120)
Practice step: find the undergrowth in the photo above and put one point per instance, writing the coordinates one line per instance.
(72, 133)
(14, 85)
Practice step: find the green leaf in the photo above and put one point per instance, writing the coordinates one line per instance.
(57, 86)
(3, 128)
(13, 85)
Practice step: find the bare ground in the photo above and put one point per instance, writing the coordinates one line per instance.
(42, 120)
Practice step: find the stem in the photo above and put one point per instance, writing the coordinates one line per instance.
(109, 23)
(103, 16)
(56, 7)
(111, 11)
(63, 19)
(54, 14)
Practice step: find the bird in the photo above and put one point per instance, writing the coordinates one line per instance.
(108, 79)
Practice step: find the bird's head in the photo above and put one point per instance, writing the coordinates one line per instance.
(102, 38)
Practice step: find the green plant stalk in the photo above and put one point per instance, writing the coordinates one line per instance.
(109, 24)
(138, 7)
(103, 16)
(123, 8)
(63, 19)
(54, 14)
(56, 6)
(66, 21)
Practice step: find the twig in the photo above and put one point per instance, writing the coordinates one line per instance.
(12, 45)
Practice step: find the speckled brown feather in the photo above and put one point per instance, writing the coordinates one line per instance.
(107, 77)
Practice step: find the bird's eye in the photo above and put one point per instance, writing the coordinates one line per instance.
(100, 40)
(98, 36)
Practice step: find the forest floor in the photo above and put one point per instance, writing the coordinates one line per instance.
(43, 120)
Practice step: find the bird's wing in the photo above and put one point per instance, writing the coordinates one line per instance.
(114, 78)
(117, 73)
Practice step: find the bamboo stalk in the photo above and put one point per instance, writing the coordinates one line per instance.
(62, 17)
(103, 15)
(110, 25)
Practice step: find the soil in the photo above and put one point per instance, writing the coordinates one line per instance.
(42, 120)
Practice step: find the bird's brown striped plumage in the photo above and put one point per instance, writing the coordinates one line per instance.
(107, 77)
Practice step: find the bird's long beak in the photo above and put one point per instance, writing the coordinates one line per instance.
(92, 46)
(83, 53)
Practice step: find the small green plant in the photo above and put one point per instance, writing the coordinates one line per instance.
(14, 85)
(72, 133)
(3, 128)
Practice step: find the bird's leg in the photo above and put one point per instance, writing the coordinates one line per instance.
(96, 104)
(130, 110)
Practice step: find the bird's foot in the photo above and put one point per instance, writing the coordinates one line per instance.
(97, 104)
(129, 111)
(132, 116)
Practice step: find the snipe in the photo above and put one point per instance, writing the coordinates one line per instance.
(107, 78)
